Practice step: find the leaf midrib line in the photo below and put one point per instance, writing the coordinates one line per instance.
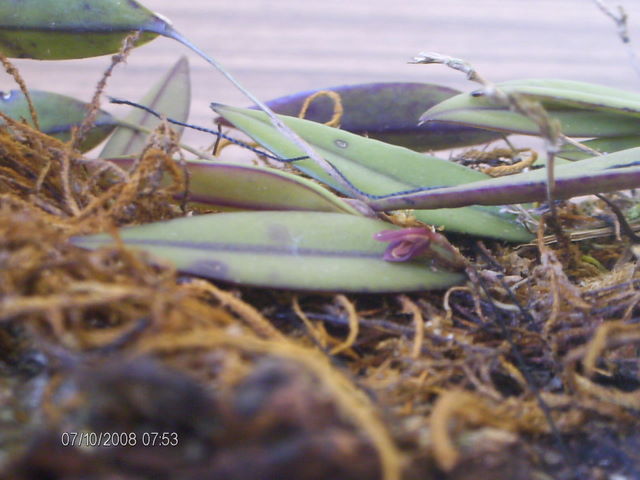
(244, 248)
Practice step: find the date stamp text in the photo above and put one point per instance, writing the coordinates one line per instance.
(118, 439)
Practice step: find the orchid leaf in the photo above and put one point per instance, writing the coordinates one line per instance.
(63, 29)
(243, 187)
(481, 112)
(171, 96)
(581, 95)
(230, 186)
(600, 174)
(388, 112)
(604, 145)
(57, 114)
(379, 168)
(584, 110)
(294, 250)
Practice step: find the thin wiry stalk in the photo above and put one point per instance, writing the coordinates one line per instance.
(620, 18)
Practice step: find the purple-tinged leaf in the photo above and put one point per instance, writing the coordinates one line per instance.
(243, 187)
(389, 112)
(601, 174)
(230, 186)
(294, 250)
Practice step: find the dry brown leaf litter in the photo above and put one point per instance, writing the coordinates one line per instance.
(420, 386)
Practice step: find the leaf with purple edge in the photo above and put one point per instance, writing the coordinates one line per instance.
(314, 251)
(600, 174)
(389, 112)
(243, 187)
(229, 186)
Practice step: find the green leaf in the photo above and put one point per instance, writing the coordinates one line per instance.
(243, 187)
(58, 114)
(379, 168)
(604, 145)
(230, 186)
(581, 95)
(62, 29)
(171, 96)
(293, 250)
(584, 110)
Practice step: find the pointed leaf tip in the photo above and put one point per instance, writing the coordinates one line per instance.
(170, 96)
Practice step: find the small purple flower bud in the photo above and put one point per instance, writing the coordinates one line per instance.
(405, 244)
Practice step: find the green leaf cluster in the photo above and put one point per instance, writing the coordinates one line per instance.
(284, 230)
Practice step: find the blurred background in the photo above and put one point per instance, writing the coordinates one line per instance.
(277, 47)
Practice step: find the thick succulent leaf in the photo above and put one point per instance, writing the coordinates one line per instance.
(171, 96)
(601, 174)
(388, 112)
(465, 109)
(379, 168)
(584, 110)
(229, 186)
(62, 29)
(581, 95)
(57, 115)
(243, 187)
(604, 145)
(293, 250)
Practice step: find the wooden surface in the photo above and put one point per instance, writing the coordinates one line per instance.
(276, 47)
